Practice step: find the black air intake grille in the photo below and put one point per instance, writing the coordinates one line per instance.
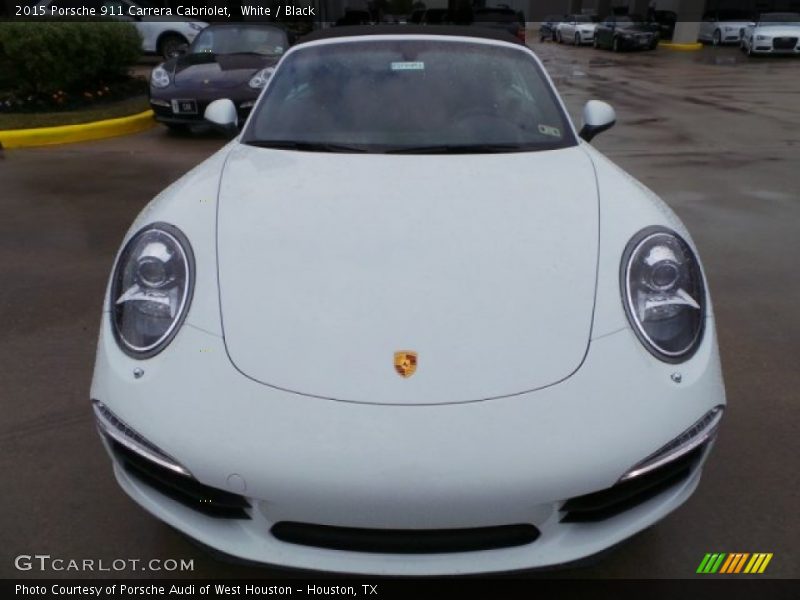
(190, 492)
(784, 43)
(405, 541)
(623, 496)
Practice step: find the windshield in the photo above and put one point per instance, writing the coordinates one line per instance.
(413, 96)
(244, 39)
(779, 18)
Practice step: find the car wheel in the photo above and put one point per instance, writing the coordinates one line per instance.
(716, 39)
(172, 45)
(615, 46)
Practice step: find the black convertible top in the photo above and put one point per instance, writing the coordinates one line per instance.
(500, 35)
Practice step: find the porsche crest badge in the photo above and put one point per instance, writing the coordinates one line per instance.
(405, 362)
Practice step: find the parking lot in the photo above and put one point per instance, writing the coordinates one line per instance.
(714, 133)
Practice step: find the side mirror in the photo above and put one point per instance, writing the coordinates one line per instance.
(221, 115)
(597, 117)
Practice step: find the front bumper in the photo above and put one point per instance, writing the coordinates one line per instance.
(768, 47)
(161, 102)
(638, 42)
(487, 464)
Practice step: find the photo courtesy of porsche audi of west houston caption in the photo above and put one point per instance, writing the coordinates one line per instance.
(154, 590)
(349, 341)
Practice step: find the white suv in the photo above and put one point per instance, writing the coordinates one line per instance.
(166, 36)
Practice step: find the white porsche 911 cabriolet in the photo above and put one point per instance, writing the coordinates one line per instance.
(408, 322)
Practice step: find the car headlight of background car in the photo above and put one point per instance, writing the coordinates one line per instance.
(664, 293)
(197, 26)
(151, 289)
(260, 79)
(159, 78)
(761, 38)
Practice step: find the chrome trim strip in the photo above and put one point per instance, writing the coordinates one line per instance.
(698, 434)
(119, 431)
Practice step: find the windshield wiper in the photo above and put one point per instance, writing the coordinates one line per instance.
(304, 146)
(460, 149)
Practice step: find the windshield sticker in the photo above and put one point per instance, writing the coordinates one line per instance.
(552, 131)
(408, 66)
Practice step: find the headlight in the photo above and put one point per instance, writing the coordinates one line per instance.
(197, 26)
(663, 293)
(159, 78)
(151, 289)
(761, 38)
(260, 79)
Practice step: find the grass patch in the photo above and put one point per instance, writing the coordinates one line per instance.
(121, 108)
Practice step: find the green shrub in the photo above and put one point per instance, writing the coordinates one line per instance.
(65, 56)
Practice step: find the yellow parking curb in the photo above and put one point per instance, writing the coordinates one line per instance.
(671, 46)
(81, 132)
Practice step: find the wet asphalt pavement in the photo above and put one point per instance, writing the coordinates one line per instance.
(716, 135)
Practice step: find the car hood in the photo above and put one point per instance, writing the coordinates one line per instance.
(220, 70)
(483, 265)
(778, 30)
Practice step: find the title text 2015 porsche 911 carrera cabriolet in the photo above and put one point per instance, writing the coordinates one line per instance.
(350, 341)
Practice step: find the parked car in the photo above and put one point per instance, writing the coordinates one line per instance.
(166, 38)
(430, 16)
(304, 359)
(501, 18)
(547, 29)
(772, 33)
(723, 26)
(576, 29)
(623, 32)
(666, 20)
(227, 60)
(492, 18)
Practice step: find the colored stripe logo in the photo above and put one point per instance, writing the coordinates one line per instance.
(734, 563)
